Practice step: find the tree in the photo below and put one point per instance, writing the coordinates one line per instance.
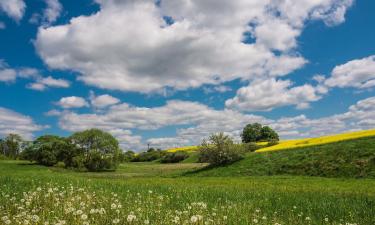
(100, 150)
(47, 150)
(256, 132)
(11, 146)
(268, 134)
(251, 133)
(220, 150)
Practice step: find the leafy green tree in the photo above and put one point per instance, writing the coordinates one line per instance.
(47, 150)
(11, 146)
(220, 150)
(100, 149)
(251, 133)
(268, 134)
(256, 132)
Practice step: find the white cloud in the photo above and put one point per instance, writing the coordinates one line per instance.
(102, 101)
(44, 82)
(7, 75)
(2, 25)
(52, 11)
(13, 122)
(195, 121)
(358, 73)
(72, 102)
(13, 8)
(133, 49)
(264, 95)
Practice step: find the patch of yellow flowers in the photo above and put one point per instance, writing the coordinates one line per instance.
(185, 149)
(288, 144)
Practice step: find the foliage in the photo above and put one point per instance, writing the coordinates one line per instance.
(127, 156)
(100, 150)
(11, 146)
(220, 150)
(256, 132)
(47, 150)
(174, 157)
(251, 146)
(148, 156)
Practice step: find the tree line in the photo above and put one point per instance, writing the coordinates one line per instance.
(96, 150)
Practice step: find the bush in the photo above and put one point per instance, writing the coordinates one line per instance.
(150, 155)
(251, 147)
(220, 150)
(174, 157)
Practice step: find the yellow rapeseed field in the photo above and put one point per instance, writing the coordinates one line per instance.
(288, 144)
(185, 149)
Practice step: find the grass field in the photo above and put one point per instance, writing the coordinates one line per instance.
(149, 193)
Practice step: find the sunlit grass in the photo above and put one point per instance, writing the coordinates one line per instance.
(32, 194)
(288, 144)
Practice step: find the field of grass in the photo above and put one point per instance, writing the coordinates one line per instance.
(346, 159)
(139, 194)
(288, 144)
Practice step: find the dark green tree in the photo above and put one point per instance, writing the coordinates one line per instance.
(256, 132)
(100, 150)
(268, 134)
(251, 133)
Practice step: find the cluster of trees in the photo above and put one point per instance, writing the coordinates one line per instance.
(220, 149)
(153, 154)
(11, 146)
(93, 150)
(96, 150)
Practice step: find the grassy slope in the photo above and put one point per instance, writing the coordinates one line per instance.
(352, 158)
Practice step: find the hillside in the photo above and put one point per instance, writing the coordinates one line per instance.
(288, 144)
(351, 158)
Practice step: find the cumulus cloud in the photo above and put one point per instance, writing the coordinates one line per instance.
(132, 47)
(358, 73)
(264, 95)
(72, 102)
(13, 8)
(102, 101)
(13, 122)
(194, 121)
(43, 83)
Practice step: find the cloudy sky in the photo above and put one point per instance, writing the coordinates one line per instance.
(170, 72)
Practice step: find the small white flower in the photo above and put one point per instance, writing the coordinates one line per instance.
(84, 217)
(131, 218)
(194, 219)
(116, 221)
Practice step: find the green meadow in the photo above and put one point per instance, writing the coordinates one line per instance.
(152, 193)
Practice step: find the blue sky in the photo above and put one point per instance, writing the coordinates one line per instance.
(170, 73)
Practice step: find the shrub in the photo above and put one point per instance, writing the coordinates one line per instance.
(150, 155)
(220, 150)
(174, 157)
(251, 147)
